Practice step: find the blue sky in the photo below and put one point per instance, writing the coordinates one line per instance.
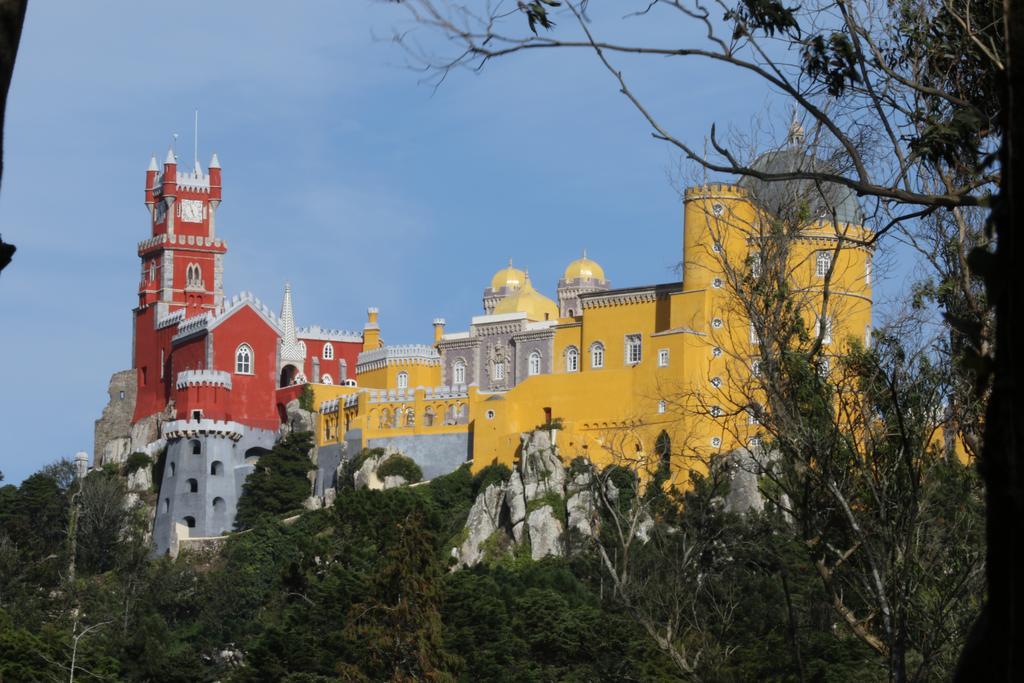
(343, 174)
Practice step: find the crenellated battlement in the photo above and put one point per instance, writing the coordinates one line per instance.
(203, 378)
(183, 429)
(164, 240)
(205, 321)
(415, 354)
(316, 332)
(715, 191)
(171, 319)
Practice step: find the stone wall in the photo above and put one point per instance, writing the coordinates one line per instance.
(113, 431)
(436, 454)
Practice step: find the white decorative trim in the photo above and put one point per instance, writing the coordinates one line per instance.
(212, 378)
(205, 322)
(181, 429)
(320, 334)
(414, 354)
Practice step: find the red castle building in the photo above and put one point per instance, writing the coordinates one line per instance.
(184, 323)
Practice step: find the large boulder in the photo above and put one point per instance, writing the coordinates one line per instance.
(540, 467)
(580, 507)
(546, 533)
(297, 419)
(140, 479)
(515, 501)
(744, 495)
(481, 524)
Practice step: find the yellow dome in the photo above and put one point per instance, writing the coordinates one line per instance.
(584, 269)
(510, 277)
(528, 300)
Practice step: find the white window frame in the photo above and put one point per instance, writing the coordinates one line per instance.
(533, 364)
(572, 359)
(326, 379)
(597, 355)
(634, 349)
(662, 406)
(499, 370)
(663, 358)
(822, 262)
(328, 353)
(403, 380)
(459, 372)
(754, 338)
(246, 367)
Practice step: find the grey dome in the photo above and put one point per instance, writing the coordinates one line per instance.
(779, 196)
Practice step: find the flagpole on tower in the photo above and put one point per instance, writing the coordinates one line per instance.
(195, 141)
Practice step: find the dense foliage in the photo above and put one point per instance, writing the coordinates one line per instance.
(280, 482)
(364, 591)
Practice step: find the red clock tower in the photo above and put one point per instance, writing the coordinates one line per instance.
(182, 269)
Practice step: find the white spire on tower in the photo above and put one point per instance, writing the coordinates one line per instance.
(291, 349)
(170, 156)
(152, 164)
(214, 161)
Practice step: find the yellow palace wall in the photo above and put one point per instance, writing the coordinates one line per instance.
(615, 413)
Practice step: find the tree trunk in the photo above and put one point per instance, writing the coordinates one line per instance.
(995, 650)
(12, 18)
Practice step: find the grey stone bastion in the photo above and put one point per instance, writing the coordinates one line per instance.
(206, 464)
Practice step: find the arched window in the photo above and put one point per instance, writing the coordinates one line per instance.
(326, 379)
(428, 417)
(193, 486)
(216, 468)
(195, 447)
(533, 366)
(190, 522)
(166, 505)
(410, 417)
(597, 355)
(243, 360)
(459, 372)
(822, 262)
(403, 380)
(328, 351)
(385, 419)
(572, 359)
(218, 504)
(171, 469)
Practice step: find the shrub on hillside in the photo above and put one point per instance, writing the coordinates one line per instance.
(402, 466)
(136, 461)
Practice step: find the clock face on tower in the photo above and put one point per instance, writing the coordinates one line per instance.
(191, 211)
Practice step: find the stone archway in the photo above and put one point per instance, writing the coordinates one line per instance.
(288, 374)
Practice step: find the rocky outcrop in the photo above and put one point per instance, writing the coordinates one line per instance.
(481, 525)
(140, 479)
(743, 470)
(112, 435)
(529, 509)
(297, 419)
(547, 534)
(366, 477)
(581, 511)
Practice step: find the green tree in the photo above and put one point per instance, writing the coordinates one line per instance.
(279, 482)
